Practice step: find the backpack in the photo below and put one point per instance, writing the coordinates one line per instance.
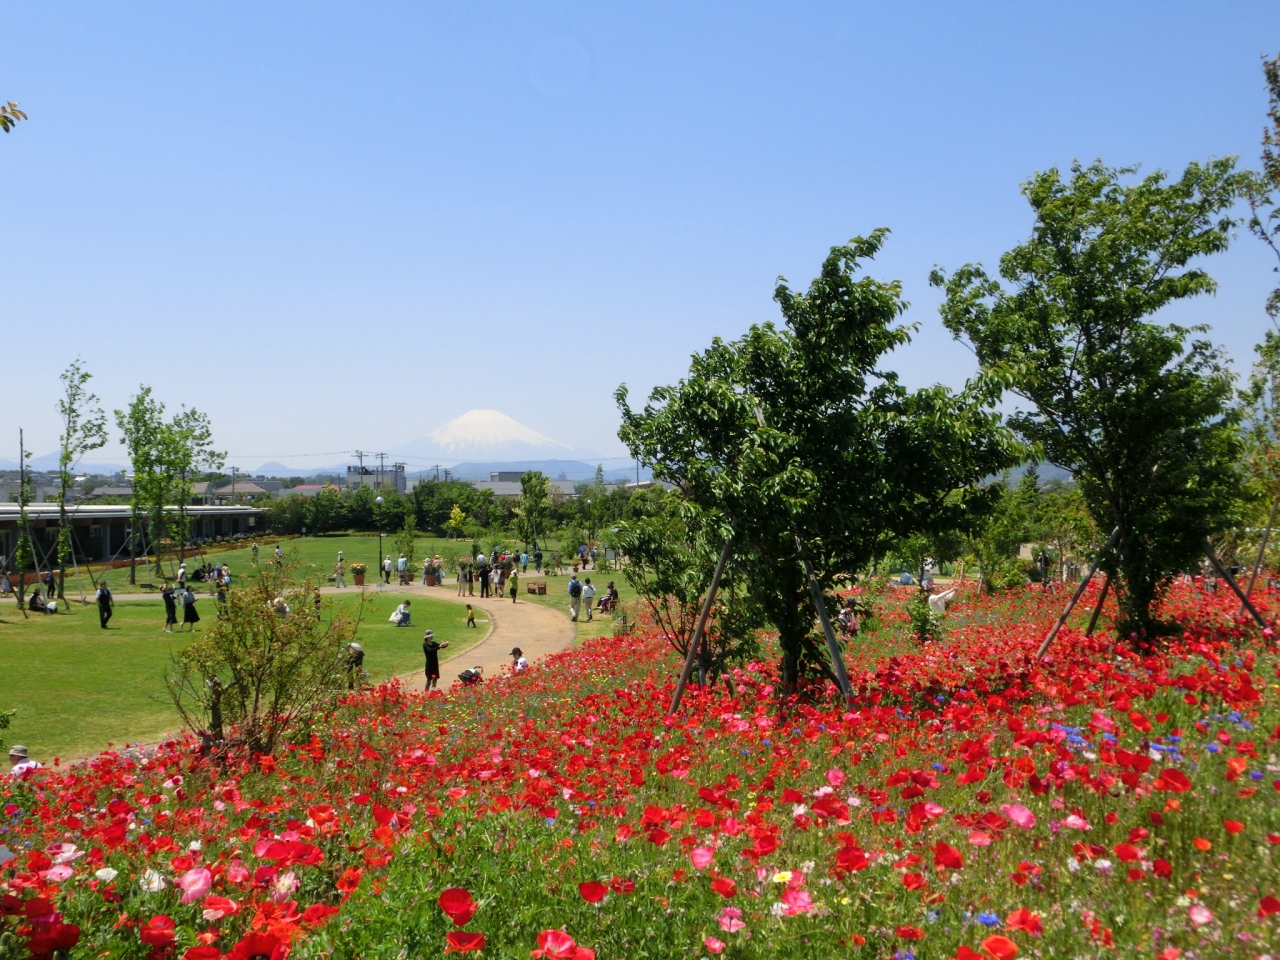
(575, 589)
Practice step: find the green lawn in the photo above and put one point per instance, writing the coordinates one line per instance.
(78, 688)
(557, 596)
(311, 555)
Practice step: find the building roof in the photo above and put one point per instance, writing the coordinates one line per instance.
(114, 511)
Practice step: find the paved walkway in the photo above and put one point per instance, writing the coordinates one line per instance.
(537, 630)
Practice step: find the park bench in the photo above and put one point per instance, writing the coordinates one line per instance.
(536, 586)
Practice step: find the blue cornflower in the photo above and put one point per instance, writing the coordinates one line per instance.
(1255, 774)
(989, 919)
(1213, 747)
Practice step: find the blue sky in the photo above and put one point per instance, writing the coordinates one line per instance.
(335, 226)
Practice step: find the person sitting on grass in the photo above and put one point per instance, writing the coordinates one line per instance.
(20, 764)
(472, 677)
(400, 616)
(36, 604)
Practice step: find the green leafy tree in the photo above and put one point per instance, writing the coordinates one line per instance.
(457, 520)
(186, 450)
(143, 431)
(84, 428)
(360, 508)
(1137, 410)
(800, 432)
(1262, 188)
(535, 503)
(405, 540)
(326, 512)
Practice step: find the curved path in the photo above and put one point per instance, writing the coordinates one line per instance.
(537, 630)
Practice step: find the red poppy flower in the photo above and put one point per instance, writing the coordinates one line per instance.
(725, 887)
(909, 933)
(999, 947)
(1174, 781)
(1268, 906)
(462, 941)
(202, 953)
(1232, 826)
(592, 891)
(947, 856)
(256, 946)
(158, 932)
(1026, 921)
(458, 906)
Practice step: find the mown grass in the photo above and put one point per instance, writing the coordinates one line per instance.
(78, 689)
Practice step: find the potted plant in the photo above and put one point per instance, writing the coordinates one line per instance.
(358, 571)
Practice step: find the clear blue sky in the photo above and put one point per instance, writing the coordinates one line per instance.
(339, 225)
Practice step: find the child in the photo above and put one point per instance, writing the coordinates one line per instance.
(472, 676)
(471, 616)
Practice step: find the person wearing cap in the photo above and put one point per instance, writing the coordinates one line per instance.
(431, 650)
(518, 663)
(20, 764)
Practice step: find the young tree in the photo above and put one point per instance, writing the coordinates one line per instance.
(671, 549)
(186, 449)
(84, 428)
(535, 505)
(142, 429)
(810, 451)
(1137, 410)
(24, 552)
(457, 520)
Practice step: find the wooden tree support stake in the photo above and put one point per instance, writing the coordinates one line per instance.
(1262, 550)
(1235, 587)
(833, 648)
(1044, 647)
(692, 656)
(1102, 598)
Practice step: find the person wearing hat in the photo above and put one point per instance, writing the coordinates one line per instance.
(431, 650)
(20, 764)
(518, 663)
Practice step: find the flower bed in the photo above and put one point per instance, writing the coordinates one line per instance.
(972, 803)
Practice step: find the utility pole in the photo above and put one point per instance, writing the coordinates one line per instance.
(382, 467)
(233, 485)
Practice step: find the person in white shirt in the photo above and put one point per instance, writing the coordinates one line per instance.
(518, 663)
(400, 616)
(386, 570)
(588, 592)
(20, 764)
(938, 601)
(402, 566)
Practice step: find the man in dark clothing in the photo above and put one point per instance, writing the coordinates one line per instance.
(485, 571)
(431, 650)
(105, 604)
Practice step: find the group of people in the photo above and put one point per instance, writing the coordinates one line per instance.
(498, 575)
(581, 591)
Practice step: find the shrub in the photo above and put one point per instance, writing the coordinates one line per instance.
(271, 660)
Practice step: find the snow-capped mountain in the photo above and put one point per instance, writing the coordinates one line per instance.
(484, 435)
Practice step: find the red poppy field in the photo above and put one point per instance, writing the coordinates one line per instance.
(972, 803)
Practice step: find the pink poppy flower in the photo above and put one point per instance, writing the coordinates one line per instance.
(702, 857)
(196, 884)
(1020, 815)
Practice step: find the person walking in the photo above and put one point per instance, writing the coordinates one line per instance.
(431, 651)
(338, 579)
(484, 580)
(254, 551)
(106, 605)
(170, 608)
(588, 594)
(462, 580)
(524, 561)
(402, 570)
(386, 570)
(471, 616)
(471, 580)
(537, 561)
(575, 597)
(513, 585)
(189, 614)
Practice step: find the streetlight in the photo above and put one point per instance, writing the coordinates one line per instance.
(591, 529)
(378, 520)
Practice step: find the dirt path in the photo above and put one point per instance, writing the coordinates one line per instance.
(537, 630)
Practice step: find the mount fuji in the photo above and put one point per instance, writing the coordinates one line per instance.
(485, 435)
